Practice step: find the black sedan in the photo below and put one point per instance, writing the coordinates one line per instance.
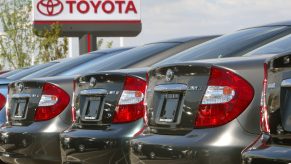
(204, 111)
(40, 109)
(110, 106)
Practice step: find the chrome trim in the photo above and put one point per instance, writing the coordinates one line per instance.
(171, 87)
(21, 95)
(286, 83)
(94, 92)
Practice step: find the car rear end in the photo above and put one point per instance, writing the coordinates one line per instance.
(273, 146)
(38, 110)
(201, 112)
(109, 109)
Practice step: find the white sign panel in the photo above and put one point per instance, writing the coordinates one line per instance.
(75, 11)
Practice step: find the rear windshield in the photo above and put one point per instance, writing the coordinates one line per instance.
(10, 73)
(122, 60)
(230, 45)
(74, 63)
(30, 70)
(279, 46)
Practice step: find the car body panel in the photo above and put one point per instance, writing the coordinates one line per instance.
(221, 144)
(109, 145)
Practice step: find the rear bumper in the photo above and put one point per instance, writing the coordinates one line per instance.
(202, 146)
(33, 144)
(261, 152)
(105, 146)
(29, 148)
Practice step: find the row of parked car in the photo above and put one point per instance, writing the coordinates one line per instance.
(189, 100)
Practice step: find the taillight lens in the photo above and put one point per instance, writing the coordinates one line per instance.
(264, 120)
(131, 105)
(226, 97)
(2, 101)
(53, 101)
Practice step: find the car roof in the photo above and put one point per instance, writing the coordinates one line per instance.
(282, 23)
(185, 39)
(110, 50)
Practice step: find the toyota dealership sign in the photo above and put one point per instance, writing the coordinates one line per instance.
(100, 17)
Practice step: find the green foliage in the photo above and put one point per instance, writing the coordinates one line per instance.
(17, 45)
(100, 43)
(109, 44)
(51, 47)
(20, 43)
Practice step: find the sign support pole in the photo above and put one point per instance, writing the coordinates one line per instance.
(87, 43)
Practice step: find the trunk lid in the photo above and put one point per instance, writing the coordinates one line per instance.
(174, 95)
(23, 99)
(96, 97)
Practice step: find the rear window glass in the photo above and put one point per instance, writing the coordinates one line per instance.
(73, 63)
(278, 46)
(230, 45)
(121, 60)
(30, 70)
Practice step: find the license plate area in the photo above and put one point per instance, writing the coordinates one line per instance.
(92, 109)
(169, 108)
(19, 109)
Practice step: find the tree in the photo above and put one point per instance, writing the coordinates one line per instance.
(18, 44)
(21, 43)
(100, 43)
(51, 47)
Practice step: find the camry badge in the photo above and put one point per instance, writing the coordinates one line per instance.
(92, 82)
(169, 75)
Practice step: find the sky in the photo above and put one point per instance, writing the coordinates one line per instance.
(164, 19)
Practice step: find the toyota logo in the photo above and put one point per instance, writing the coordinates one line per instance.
(20, 87)
(50, 7)
(169, 75)
(92, 82)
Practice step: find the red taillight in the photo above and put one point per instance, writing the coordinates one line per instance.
(131, 105)
(226, 97)
(2, 101)
(264, 120)
(53, 101)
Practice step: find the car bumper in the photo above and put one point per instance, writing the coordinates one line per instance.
(262, 152)
(32, 144)
(204, 146)
(104, 146)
